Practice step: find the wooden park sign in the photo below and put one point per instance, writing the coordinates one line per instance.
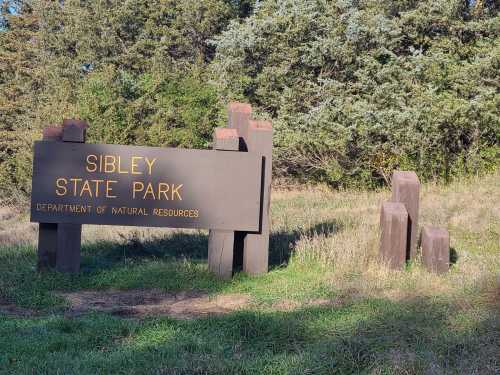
(227, 192)
(145, 186)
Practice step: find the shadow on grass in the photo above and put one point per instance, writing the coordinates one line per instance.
(364, 336)
(191, 246)
(174, 262)
(453, 256)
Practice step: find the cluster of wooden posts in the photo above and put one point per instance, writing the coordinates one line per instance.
(399, 228)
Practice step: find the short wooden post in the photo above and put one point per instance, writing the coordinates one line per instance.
(47, 232)
(406, 190)
(436, 249)
(221, 242)
(239, 115)
(393, 236)
(256, 245)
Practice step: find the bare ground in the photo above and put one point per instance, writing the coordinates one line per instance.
(141, 303)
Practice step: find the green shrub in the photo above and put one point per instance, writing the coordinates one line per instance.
(149, 110)
(357, 89)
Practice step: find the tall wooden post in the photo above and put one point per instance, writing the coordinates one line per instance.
(59, 244)
(221, 242)
(256, 245)
(47, 232)
(406, 190)
(239, 115)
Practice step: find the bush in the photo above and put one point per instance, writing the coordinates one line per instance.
(357, 89)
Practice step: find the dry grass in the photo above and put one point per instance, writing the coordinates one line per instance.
(470, 210)
(327, 306)
(339, 231)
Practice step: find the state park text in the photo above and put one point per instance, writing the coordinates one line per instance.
(113, 164)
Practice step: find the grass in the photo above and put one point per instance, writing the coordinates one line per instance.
(323, 248)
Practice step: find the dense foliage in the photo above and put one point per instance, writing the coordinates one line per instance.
(354, 88)
(359, 88)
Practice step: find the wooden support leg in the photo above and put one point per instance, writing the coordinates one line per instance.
(221, 242)
(59, 244)
(406, 190)
(47, 246)
(47, 232)
(220, 253)
(69, 238)
(256, 245)
(393, 235)
(436, 249)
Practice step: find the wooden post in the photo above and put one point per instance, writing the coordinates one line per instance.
(221, 242)
(393, 235)
(59, 244)
(406, 190)
(256, 245)
(69, 236)
(47, 232)
(239, 115)
(436, 249)
(256, 137)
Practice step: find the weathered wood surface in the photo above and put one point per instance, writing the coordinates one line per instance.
(252, 248)
(221, 242)
(436, 249)
(47, 246)
(393, 234)
(69, 238)
(59, 244)
(256, 245)
(406, 190)
(202, 189)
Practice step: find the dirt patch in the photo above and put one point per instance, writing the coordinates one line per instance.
(291, 305)
(11, 309)
(144, 303)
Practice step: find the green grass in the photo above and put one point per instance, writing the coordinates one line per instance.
(323, 247)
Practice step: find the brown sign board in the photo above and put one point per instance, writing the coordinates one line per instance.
(145, 186)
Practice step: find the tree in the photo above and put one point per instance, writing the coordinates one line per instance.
(359, 88)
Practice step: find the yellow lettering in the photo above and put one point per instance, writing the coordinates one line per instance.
(134, 165)
(163, 189)
(109, 189)
(89, 163)
(97, 182)
(137, 187)
(149, 190)
(150, 164)
(61, 189)
(75, 183)
(109, 161)
(175, 190)
(120, 166)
